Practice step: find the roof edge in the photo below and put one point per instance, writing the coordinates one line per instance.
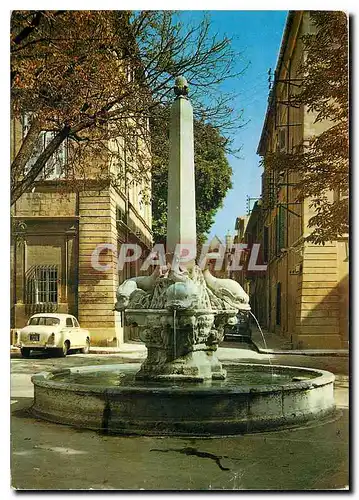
(286, 32)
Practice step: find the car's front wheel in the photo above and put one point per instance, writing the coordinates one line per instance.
(25, 352)
(86, 349)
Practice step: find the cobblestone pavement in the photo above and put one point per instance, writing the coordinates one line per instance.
(51, 457)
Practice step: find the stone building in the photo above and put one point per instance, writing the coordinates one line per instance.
(56, 229)
(303, 295)
(249, 232)
(240, 274)
(219, 267)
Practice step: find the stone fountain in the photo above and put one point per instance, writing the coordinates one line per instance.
(181, 310)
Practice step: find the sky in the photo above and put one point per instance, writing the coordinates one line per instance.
(257, 35)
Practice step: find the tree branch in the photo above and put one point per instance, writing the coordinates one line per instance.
(24, 184)
(26, 149)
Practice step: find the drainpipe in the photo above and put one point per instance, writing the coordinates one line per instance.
(287, 195)
(14, 282)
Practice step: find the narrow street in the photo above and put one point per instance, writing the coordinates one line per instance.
(49, 456)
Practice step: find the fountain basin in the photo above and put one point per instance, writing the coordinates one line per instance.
(108, 398)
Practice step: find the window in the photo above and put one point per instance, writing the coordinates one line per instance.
(120, 214)
(76, 323)
(269, 193)
(281, 139)
(54, 166)
(42, 285)
(141, 204)
(265, 244)
(280, 229)
(69, 322)
(278, 304)
(44, 321)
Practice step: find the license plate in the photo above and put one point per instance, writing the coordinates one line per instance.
(34, 336)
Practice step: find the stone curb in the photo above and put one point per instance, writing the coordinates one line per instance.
(95, 351)
(304, 352)
(98, 351)
(297, 352)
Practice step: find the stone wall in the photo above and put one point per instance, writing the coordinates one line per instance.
(317, 316)
(46, 243)
(46, 203)
(97, 289)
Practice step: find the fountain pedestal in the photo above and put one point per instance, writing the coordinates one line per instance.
(181, 324)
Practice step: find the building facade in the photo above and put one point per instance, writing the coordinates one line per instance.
(220, 267)
(303, 295)
(55, 231)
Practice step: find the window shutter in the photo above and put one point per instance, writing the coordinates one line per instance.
(281, 139)
(38, 149)
(49, 170)
(265, 244)
(280, 229)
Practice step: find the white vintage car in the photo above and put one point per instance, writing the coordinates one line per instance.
(52, 332)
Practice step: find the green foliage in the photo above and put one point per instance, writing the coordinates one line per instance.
(212, 174)
(322, 164)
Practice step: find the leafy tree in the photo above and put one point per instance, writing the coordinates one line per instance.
(92, 77)
(322, 164)
(212, 174)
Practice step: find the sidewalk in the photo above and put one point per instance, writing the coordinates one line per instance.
(126, 348)
(130, 349)
(276, 344)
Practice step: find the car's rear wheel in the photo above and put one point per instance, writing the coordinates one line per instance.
(65, 349)
(86, 349)
(25, 352)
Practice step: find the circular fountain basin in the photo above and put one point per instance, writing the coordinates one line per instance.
(252, 398)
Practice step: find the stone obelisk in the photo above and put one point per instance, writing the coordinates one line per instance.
(181, 200)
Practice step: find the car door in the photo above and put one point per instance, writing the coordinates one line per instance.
(77, 333)
(69, 331)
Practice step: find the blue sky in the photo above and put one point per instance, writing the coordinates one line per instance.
(257, 35)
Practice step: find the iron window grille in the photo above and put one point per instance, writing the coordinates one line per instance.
(269, 195)
(42, 284)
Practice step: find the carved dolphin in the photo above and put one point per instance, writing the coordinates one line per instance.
(228, 290)
(126, 289)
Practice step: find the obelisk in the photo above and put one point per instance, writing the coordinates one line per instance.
(181, 199)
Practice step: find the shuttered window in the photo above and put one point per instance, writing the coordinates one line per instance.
(265, 244)
(269, 193)
(55, 165)
(280, 229)
(278, 303)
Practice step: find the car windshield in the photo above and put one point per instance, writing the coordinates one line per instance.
(44, 320)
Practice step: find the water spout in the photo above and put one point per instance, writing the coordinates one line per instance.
(263, 338)
(174, 334)
(260, 329)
